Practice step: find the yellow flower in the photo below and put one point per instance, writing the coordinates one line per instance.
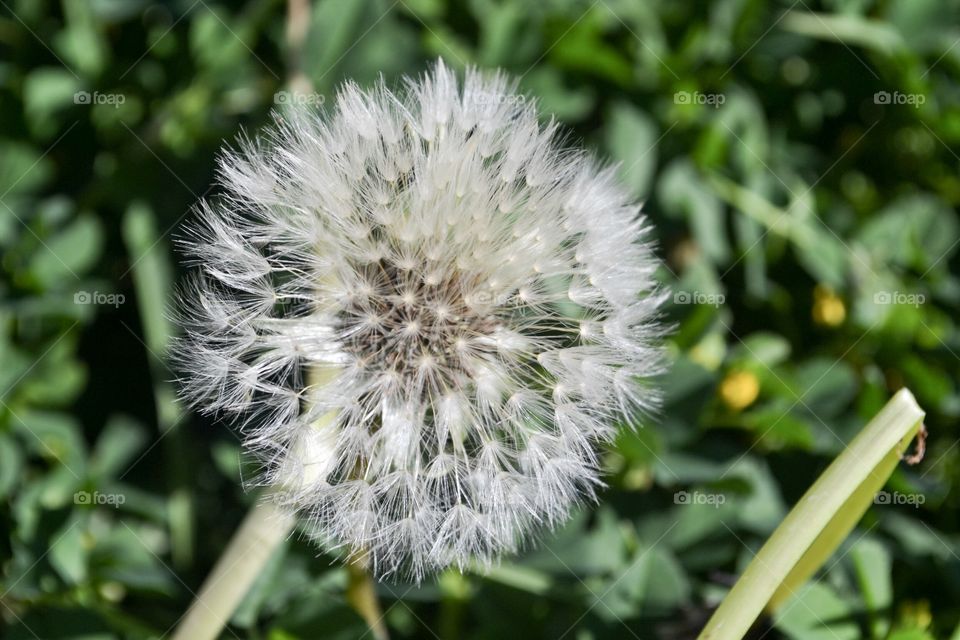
(739, 390)
(916, 615)
(828, 307)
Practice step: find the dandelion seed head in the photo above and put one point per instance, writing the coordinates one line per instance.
(425, 315)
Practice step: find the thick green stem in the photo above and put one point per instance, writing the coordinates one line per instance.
(262, 531)
(817, 525)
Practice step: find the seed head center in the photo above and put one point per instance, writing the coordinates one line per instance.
(412, 318)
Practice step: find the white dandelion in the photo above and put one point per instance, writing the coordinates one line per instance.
(425, 315)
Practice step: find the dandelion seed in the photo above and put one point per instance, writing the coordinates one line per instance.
(425, 316)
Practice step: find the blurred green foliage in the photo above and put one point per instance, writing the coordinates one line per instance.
(798, 159)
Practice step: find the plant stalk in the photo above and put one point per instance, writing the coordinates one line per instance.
(362, 595)
(267, 525)
(263, 530)
(820, 521)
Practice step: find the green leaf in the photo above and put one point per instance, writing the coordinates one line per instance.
(683, 191)
(522, 578)
(16, 366)
(68, 254)
(501, 25)
(763, 507)
(584, 48)
(872, 566)
(916, 231)
(846, 28)
(129, 555)
(214, 43)
(763, 347)
(631, 137)
(69, 551)
(11, 463)
(582, 551)
(822, 252)
(56, 380)
(826, 386)
(119, 442)
(22, 169)
(910, 634)
(817, 612)
(54, 436)
(81, 43)
(46, 91)
(777, 426)
(334, 27)
(567, 104)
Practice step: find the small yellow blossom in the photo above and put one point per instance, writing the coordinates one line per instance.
(828, 308)
(916, 615)
(739, 390)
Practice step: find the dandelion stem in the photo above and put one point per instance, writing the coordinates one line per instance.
(153, 282)
(267, 525)
(263, 530)
(362, 595)
(817, 525)
(298, 23)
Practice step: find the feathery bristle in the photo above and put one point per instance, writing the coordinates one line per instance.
(425, 315)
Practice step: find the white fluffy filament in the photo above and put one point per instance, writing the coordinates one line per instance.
(425, 315)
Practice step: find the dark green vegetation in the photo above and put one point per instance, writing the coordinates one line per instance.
(799, 160)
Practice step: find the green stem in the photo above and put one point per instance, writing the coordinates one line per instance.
(154, 282)
(820, 521)
(267, 525)
(262, 531)
(362, 595)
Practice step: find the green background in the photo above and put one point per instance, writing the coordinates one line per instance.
(798, 159)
